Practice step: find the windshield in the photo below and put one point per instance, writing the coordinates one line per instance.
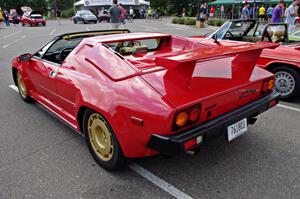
(85, 13)
(234, 29)
(220, 33)
(36, 16)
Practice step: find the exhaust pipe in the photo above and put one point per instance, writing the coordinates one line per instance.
(193, 152)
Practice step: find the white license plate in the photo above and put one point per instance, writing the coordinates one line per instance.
(237, 129)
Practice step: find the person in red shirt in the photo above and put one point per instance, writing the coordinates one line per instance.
(123, 15)
(212, 11)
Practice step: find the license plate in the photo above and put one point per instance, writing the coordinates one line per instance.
(237, 129)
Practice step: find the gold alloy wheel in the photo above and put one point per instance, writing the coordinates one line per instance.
(21, 86)
(100, 137)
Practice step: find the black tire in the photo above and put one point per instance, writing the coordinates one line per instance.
(44, 24)
(85, 22)
(294, 76)
(117, 161)
(24, 96)
(23, 24)
(75, 22)
(95, 22)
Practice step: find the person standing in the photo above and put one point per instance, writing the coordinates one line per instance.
(211, 11)
(15, 18)
(251, 12)
(1, 18)
(131, 14)
(123, 15)
(245, 12)
(115, 15)
(6, 18)
(183, 12)
(291, 15)
(270, 12)
(262, 12)
(57, 14)
(277, 12)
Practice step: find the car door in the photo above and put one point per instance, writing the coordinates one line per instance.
(42, 72)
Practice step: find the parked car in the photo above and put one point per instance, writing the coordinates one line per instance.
(284, 61)
(84, 16)
(103, 16)
(141, 94)
(34, 18)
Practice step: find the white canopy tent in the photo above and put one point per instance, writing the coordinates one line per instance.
(87, 3)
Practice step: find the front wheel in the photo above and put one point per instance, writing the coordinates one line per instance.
(22, 88)
(102, 142)
(287, 82)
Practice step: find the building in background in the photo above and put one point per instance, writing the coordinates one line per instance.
(97, 5)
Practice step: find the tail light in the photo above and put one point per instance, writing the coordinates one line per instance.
(186, 117)
(268, 86)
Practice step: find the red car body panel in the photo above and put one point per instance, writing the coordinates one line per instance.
(152, 86)
(288, 54)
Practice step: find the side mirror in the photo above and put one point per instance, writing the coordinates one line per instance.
(24, 58)
(215, 38)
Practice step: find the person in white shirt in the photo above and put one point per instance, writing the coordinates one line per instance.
(290, 16)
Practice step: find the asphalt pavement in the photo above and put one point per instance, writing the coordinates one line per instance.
(40, 157)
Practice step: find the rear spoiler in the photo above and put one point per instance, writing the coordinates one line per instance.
(92, 33)
(241, 53)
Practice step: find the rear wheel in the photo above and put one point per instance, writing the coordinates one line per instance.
(287, 82)
(102, 142)
(22, 88)
(75, 22)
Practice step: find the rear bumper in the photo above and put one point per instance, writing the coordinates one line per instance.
(174, 144)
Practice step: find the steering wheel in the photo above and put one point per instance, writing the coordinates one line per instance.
(63, 54)
(230, 33)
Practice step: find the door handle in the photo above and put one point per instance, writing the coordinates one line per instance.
(53, 74)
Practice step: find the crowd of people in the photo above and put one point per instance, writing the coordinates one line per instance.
(6, 18)
(278, 14)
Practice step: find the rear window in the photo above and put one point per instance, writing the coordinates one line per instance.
(131, 46)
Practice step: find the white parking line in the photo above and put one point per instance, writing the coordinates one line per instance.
(52, 32)
(14, 87)
(289, 107)
(15, 41)
(159, 182)
(7, 36)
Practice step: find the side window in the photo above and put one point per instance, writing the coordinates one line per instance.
(54, 51)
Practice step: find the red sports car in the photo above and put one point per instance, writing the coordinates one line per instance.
(283, 61)
(33, 19)
(141, 94)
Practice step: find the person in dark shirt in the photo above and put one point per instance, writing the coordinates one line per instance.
(115, 14)
(277, 12)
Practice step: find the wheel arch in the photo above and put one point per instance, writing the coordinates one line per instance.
(14, 74)
(273, 65)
